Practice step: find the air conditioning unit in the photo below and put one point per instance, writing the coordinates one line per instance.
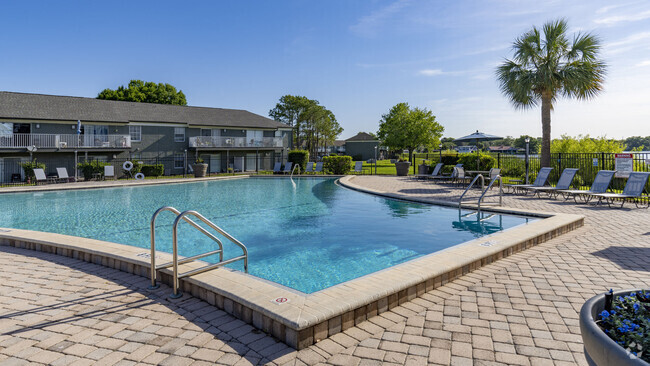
(63, 145)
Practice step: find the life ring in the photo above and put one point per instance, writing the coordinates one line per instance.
(139, 176)
(127, 166)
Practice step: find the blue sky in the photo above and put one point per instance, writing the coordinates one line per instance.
(358, 58)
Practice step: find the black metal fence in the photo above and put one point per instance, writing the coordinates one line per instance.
(514, 165)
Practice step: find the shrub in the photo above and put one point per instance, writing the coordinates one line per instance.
(514, 168)
(29, 167)
(153, 170)
(339, 165)
(447, 169)
(89, 168)
(300, 157)
(469, 161)
(357, 157)
(449, 159)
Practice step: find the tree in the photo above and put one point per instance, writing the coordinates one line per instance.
(405, 128)
(145, 92)
(586, 144)
(637, 143)
(533, 144)
(549, 66)
(290, 110)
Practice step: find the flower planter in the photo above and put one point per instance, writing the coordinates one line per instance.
(402, 168)
(200, 170)
(423, 169)
(601, 350)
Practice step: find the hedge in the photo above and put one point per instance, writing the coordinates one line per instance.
(469, 161)
(300, 157)
(339, 165)
(153, 170)
(91, 167)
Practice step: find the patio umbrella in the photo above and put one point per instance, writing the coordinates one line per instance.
(478, 136)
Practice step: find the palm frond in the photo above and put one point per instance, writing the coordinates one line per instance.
(585, 46)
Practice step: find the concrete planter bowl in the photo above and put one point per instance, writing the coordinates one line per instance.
(402, 168)
(600, 350)
(200, 170)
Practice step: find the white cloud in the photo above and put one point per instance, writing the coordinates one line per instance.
(628, 43)
(431, 72)
(368, 25)
(623, 18)
(643, 63)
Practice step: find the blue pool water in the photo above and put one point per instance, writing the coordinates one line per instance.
(310, 237)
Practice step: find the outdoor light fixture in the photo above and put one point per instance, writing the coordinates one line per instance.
(38, 125)
(73, 126)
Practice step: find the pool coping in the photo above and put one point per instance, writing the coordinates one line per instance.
(300, 319)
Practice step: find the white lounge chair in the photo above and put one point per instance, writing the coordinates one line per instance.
(310, 167)
(436, 171)
(277, 168)
(287, 167)
(319, 167)
(600, 185)
(40, 176)
(540, 181)
(358, 166)
(109, 171)
(562, 184)
(63, 175)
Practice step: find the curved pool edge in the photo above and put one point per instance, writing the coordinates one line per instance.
(305, 319)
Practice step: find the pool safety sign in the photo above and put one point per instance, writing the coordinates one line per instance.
(280, 300)
(623, 164)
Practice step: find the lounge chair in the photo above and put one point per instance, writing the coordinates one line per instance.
(40, 176)
(494, 173)
(63, 175)
(459, 176)
(564, 183)
(436, 171)
(310, 167)
(600, 185)
(109, 171)
(540, 181)
(287, 168)
(277, 168)
(319, 167)
(633, 189)
(358, 166)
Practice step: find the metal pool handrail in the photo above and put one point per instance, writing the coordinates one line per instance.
(498, 177)
(152, 234)
(460, 201)
(294, 169)
(176, 262)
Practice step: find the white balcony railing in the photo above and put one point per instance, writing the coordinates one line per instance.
(227, 142)
(53, 141)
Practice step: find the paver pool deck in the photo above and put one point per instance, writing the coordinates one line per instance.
(522, 309)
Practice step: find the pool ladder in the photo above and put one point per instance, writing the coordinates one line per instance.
(480, 199)
(175, 261)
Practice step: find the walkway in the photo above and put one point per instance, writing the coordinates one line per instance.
(519, 310)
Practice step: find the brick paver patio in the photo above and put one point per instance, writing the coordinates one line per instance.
(519, 310)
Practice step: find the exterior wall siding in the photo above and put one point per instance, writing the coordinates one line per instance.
(364, 148)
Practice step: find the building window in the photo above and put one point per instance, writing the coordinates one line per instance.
(136, 133)
(179, 134)
(179, 161)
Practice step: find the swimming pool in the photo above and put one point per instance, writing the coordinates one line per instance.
(308, 237)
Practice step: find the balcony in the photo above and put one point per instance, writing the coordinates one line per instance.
(237, 142)
(52, 141)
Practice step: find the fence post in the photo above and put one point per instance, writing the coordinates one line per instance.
(559, 164)
(499, 160)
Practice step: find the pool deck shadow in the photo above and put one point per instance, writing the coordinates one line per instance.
(131, 302)
(628, 258)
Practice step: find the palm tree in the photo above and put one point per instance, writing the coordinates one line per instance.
(549, 66)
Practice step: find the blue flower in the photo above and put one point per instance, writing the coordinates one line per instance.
(636, 306)
(604, 314)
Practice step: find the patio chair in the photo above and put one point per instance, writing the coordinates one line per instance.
(40, 176)
(436, 171)
(564, 183)
(600, 185)
(319, 167)
(459, 176)
(494, 172)
(633, 189)
(358, 166)
(109, 171)
(277, 168)
(540, 181)
(310, 167)
(62, 174)
(287, 168)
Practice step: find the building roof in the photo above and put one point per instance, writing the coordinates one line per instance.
(339, 142)
(63, 108)
(501, 148)
(362, 136)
